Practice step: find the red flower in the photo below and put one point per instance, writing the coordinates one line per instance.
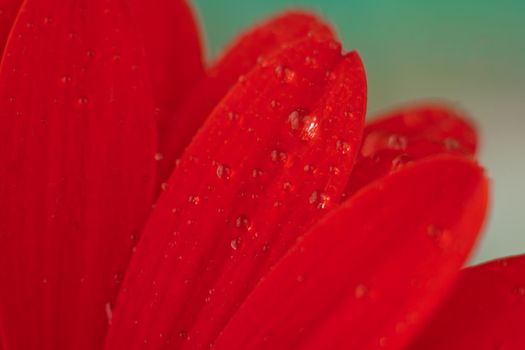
(283, 224)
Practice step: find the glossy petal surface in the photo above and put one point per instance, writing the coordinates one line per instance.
(271, 159)
(485, 311)
(408, 134)
(371, 271)
(253, 47)
(76, 169)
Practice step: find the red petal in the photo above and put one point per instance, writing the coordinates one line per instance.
(254, 46)
(409, 134)
(269, 161)
(371, 271)
(77, 170)
(174, 57)
(8, 11)
(486, 310)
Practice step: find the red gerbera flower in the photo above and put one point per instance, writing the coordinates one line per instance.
(282, 225)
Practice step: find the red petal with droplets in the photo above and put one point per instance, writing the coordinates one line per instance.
(76, 169)
(486, 310)
(409, 134)
(8, 11)
(271, 159)
(254, 46)
(373, 269)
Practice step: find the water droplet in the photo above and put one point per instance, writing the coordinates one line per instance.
(308, 168)
(164, 186)
(400, 161)
(308, 60)
(90, 53)
(65, 79)
(383, 342)
(289, 75)
(293, 119)
(334, 170)
(310, 127)
(243, 223)
(285, 74)
(343, 146)
(207, 299)
(195, 200)
(320, 199)
(158, 156)
(118, 277)
(82, 101)
(300, 278)
(234, 243)
(183, 334)
(278, 156)
(349, 115)
(442, 237)
(397, 142)
(261, 61)
(274, 104)
(361, 291)
(257, 173)
(279, 71)
(223, 172)
(519, 290)
(109, 312)
(331, 76)
(233, 116)
(287, 186)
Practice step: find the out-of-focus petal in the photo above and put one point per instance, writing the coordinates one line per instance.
(408, 134)
(271, 160)
(251, 48)
(486, 310)
(76, 169)
(8, 11)
(371, 272)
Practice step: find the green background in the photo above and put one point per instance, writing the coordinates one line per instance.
(470, 53)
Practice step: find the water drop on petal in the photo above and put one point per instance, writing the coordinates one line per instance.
(360, 291)
(223, 172)
(234, 243)
(278, 156)
(293, 119)
(194, 200)
(243, 223)
(397, 142)
(343, 147)
(320, 199)
(82, 101)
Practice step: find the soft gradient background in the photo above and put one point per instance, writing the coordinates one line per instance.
(471, 53)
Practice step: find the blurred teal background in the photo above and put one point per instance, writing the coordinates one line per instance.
(470, 53)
